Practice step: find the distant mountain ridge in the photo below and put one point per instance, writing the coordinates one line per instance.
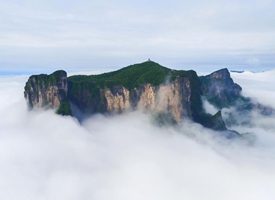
(173, 95)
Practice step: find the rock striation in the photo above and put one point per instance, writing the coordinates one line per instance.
(46, 90)
(173, 98)
(117, 100)
(148, 86)
(219, 89)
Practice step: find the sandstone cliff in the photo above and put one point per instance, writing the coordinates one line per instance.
(173, 97)
(147, 86)
(49, 91)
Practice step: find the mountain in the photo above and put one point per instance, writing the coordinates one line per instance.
(220, 89)
(172, 95)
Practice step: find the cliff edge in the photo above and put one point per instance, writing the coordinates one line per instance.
(148, 86)
(48, 91)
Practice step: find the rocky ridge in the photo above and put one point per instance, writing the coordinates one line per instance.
(220, 89)
(148, 86)
(46, 90)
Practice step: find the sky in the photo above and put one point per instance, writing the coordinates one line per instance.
(42, 36)
(44, 156)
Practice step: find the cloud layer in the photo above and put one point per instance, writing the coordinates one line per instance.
(44, 156)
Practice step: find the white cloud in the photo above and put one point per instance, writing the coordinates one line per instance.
(45, 156)
(258, 86)
(209, 108)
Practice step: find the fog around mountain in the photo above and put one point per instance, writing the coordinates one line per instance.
(45, 156)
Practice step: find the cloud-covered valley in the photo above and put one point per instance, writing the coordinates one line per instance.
(45, 156)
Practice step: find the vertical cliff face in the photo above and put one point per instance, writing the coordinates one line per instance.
(86, 96)
(219, 88)
(46, 90)
(145, 97)
(117, 99)
(180, 97)
(173, 98)
(172, 95)
(148, 86)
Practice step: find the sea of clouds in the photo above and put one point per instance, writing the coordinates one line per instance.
(44, 156)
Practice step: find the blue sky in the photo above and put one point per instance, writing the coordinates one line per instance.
(42, 36)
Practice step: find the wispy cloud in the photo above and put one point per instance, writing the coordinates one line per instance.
(45, 156)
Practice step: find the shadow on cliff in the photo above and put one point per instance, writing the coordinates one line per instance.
(48, 156)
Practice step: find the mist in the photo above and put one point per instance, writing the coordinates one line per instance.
(45, 156)
(258, 86)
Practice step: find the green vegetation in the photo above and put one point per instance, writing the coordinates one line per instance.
(54, 77)
(86, 91)
(64, 108)
(44, 80)
(41, 83)
(81, 87)
(131, 76)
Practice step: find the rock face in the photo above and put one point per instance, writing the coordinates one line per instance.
(46, 90)
(147, 86)
(219, 89)
(118, 99)
(173, 98)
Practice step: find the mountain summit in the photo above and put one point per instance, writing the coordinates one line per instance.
(173, 94)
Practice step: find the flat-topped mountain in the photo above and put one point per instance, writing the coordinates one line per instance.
(172, 94)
